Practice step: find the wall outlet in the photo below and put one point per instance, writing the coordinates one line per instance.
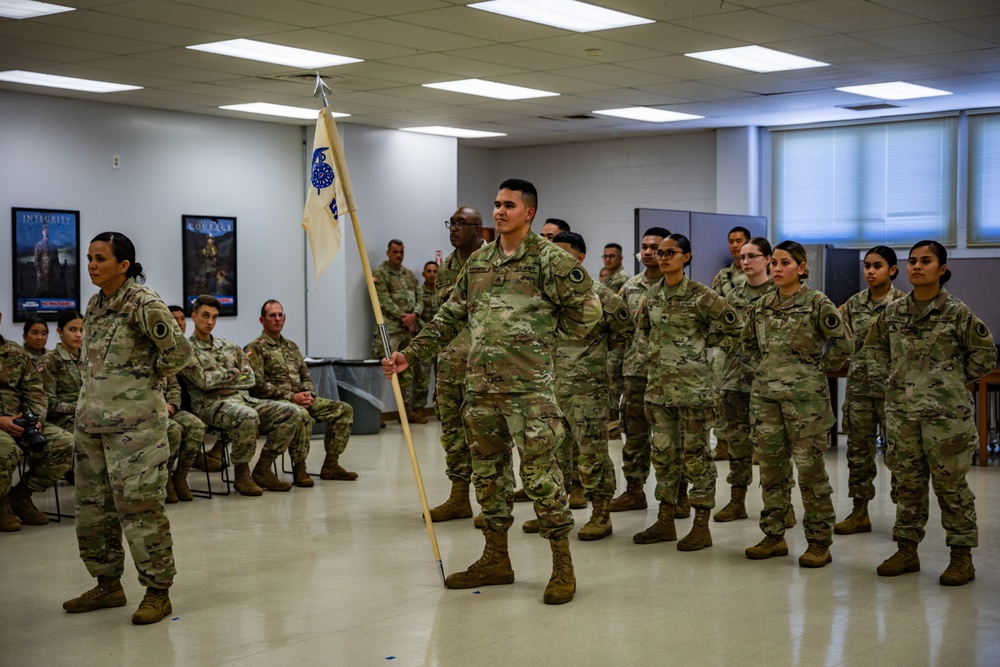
(116, 161)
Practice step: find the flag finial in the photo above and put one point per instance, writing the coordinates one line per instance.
(321, 90)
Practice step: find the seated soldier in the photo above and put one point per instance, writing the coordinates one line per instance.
(21, 393)
(218, 382)
(213, 461)
(282, 375)
(185, 436)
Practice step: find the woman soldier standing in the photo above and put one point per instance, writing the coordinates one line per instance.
(62, 371)
(797, 335)
(864, 404)
(681, 320)
(130, 342)
(933, 346)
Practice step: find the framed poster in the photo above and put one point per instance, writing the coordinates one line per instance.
(46, 262)
(209, 245)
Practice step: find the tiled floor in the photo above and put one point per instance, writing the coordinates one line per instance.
(343, 574)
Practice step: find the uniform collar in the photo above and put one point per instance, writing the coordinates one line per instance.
(271, 341)
(913, 308)
(496, 257)
(64, 353)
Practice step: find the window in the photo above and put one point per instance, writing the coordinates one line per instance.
(862, 185)
(984, 180)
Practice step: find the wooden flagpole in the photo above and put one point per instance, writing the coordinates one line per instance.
(345, 183)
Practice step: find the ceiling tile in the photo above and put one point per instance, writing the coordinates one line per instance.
(615, 75)
(482, 24)
(658, 10)
(694, 91)
(836, 49)
(983, 27)
(924, 39)
(518, 56)
(577, 45)
(294, 12)
(172, 13)
(134, 28)
(555, 82)
(753, 26)
(671, 38)
(386, 7)
(443, 63)
(843, 15)
(343, 45)
(79, 39)
(943, 10)
(392, 31)
(151, 65)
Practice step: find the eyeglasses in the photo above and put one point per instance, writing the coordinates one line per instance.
(611, 256)
(749, 258)
(275, 316)
(459, 225)
(667, 254)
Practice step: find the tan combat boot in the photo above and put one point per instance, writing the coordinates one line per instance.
(960, 570)
(857, 521)
(683, 509)
(457, 506)
(263, 474)
(562, 583)
(531, 526)
(332, 470)
(8, 522)
(577, 499)
(904, 560)
(661, 531)
(721, 450)
(154, 606)
(213, 459)
(700, 536)
(632, 498)
(171, 491)
(300, 477)
(478, 522)
(180, 480)
(737, 507)
(769, 547)
(817, 555)
(243, 482)
(415, 417)
(492, 569)
(107, 593)
(23, 508)
(599, 525)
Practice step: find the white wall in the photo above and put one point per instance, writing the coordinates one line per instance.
(737, 156)
(56, 153)
(477, 181)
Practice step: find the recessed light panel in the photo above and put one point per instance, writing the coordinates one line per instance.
(459, 132)
(757, 59)
(64, 82)
(499, 91)
(648, 115)
(28, 9)
(567, 14)
(894, 90)
(250, 49)
(282, 110)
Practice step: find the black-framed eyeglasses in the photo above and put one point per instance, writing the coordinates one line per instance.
(460, 225)
(751, 257)
(667, 254)
(611, 256)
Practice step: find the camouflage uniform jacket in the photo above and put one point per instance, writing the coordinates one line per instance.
(865, 378)
(36, 356)
(515, 307)
(932, 352)
(738, 371)
(172, 391)
(130, 342)
(728, 278)
(398, 293)
(616, 280)
(453, 360)
(61, 376)
(634, 291)
(794, 343)
(681, 323)
(428, 297)
(582, 365)
(221, 370)
(21, 389)
(279, 368)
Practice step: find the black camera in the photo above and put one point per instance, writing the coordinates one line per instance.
(32, 437)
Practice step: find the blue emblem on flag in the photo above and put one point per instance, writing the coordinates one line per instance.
(322, 173)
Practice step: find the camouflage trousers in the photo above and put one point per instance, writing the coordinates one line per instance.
(185, 435)
(938, 452)
(449, 397)
(120, 487)
(495, 423)
(786, 431)
(616, 382)
(44, 467)
(680, 451)
(284, 423)
(397, 342)
(721, 420)
(635, 452)
(422, 382)
(736, 416)
(862, 417)
(339, 418)
(587, 417)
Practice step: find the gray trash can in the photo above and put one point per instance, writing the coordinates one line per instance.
(359, 382)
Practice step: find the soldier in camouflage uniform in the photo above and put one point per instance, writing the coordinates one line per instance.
(46, 263)
(282, 375)
(465, 232)
(61, 371)
(615, 280)
(681, 319)
(22, 392)
(219, 381)
(186, 436)
(422, 372)
(131, 343)
(35, 336)
(795, 335)
(581, 390)
(515, 295)
(399, 295)
(933, 346)
(864, 403)
(635, 452)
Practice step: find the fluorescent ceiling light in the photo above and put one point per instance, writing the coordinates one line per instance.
(894, 90)
(274, 53)
(459, 132)
(568, 14)
(285, 111)
(500, 91)
(67, 82)
(757, 59)
(648, 115)
(27, 9)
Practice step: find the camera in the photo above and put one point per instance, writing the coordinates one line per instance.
(31, 438)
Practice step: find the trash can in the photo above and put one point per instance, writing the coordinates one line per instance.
(359, 382)
(325, 384)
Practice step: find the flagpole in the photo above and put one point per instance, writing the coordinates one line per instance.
(345, 178)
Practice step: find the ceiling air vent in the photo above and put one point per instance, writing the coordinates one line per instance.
(874, 106)
(575, 116)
